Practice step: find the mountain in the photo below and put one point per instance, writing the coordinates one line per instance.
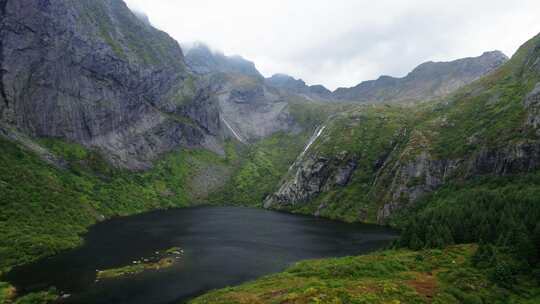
(102, 115)
(249, 108)
(91, 72)
(143, 17)
(371, 162)
(202, 60)
(297, 86)
(461, 170)
(428, 81)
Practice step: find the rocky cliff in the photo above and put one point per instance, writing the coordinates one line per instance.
(202, 60)
(249, 108)
(92, 72)
(375, 160)
(427, 81)
(290, 85)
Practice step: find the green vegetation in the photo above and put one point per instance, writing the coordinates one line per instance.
(7, 292)
(502, 213)
(487, 116)
(46, 209)
(395, 276)
(259, 169)
(127, 36)
(135, 269)
(367, 135)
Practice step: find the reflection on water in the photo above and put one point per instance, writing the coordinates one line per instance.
(222, 246)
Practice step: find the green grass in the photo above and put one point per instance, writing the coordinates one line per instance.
(259, 169)
(6, 292)
(128, 37)
(135, 269)
(488, 115)
(394, 276)
(367, 135)
(45, 209)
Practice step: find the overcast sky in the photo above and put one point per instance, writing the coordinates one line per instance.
(343, 42)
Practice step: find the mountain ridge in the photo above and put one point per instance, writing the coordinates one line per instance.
(427, 81)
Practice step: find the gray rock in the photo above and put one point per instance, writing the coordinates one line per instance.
(532, 104)
(92, 72)
(290, 85)
(312, 175)
(429, 80)
(202, 60)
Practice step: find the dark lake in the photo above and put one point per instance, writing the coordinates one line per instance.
(223, 246)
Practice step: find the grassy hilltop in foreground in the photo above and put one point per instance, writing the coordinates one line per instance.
(449, 276)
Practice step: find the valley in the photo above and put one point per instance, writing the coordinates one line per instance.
(116, 143)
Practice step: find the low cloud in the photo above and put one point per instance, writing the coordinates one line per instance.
(343, 43)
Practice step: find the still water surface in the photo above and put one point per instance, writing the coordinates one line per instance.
(222, 246)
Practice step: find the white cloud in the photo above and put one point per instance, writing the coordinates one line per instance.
(342, 42)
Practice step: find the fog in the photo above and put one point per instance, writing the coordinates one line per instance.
(341, 43)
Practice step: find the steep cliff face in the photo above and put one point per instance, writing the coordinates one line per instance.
(487, 128)
(427, 81)
(91, 72)
(250, 110)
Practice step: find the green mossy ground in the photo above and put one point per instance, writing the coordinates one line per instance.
(259, 169)
(393, 276)
(46, 209)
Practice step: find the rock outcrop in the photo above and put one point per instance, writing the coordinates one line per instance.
(250, 109)
(92, 72)
(202, 60)
(290, 85)
(532, 103)
(485, 129)
(312, 176)
(428, 81)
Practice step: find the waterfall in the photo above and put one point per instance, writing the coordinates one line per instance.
(233, 131)
(312, 140)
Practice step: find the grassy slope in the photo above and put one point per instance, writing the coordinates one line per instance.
(396, 276)
(488, 113)
(368, 133)
(45, 209)
(259, 169)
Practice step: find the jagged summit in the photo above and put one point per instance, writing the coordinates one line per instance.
(427, 81)
(203, 60)
(292, 85)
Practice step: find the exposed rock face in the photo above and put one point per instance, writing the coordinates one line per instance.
(428, 81)
(91, 72)
(411, 167)
(532, 104)
(249, 109)
(291, 85)
(202, 60)
(312, 176)
(413, 179)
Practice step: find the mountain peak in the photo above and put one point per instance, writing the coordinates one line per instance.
(203, 60)
(427, 81)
